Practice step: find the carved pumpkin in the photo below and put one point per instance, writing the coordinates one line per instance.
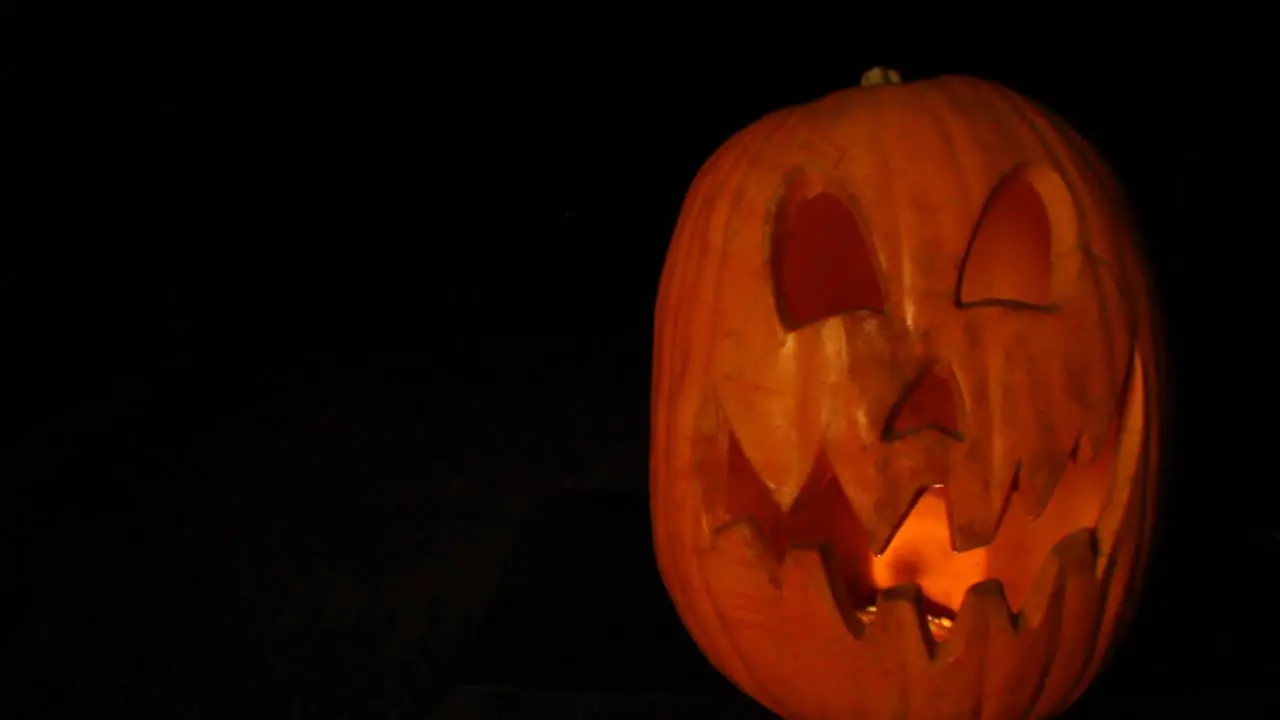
(904, 419)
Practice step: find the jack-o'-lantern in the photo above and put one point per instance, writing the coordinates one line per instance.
(904, 415)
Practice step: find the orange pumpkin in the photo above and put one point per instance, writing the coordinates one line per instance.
(904, 422)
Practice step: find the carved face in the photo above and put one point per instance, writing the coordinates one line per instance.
(900, 393)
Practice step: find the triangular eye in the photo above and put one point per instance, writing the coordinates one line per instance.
(822, 263)
(1009, 261)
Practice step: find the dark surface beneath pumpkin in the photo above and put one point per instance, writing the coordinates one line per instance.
(628, 657)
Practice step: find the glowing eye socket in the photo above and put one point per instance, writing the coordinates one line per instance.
(822, 263)
(1009, 259)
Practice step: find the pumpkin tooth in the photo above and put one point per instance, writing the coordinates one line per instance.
(1130, 449)
(985, 622)
(1038, 478)
(1080, 600)
(1097, 444)
(901, 626)
(892, 511)
(1048, 588)
(1098, 440)
(974, 520)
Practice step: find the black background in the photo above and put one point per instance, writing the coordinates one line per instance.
(331, 336)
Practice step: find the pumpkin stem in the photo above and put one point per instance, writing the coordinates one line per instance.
(881, 76)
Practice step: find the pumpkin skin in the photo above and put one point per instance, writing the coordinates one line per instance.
(904, 410)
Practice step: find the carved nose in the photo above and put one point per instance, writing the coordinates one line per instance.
(928, 402)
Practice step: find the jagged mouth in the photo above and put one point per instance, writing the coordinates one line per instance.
(918, 562)
(1049, 540)
(857, 576)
